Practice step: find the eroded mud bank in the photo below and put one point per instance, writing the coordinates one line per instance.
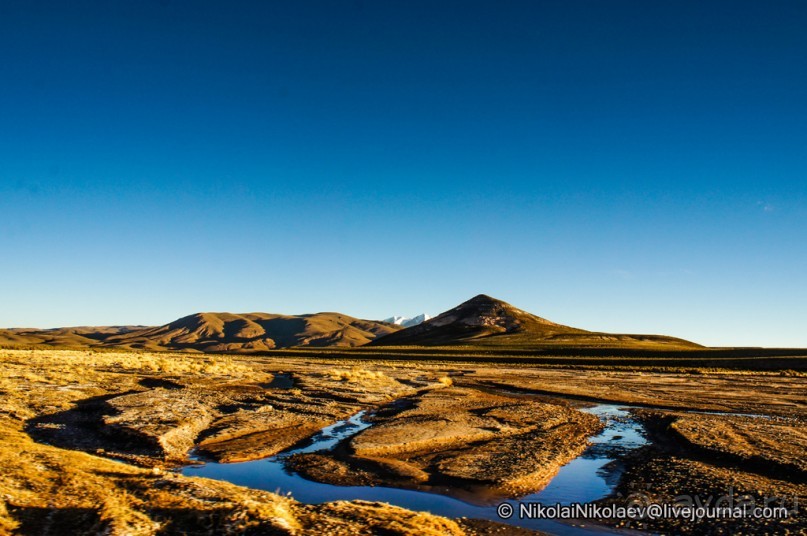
(725, 460)
(586, 478)
(229, 420)
(458, 437)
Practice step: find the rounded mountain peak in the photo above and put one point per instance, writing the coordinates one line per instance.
(483, 298)
(485, 311)
(480, 317)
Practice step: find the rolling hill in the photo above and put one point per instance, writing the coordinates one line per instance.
(73, 337)
(214, 332)
(486, 321)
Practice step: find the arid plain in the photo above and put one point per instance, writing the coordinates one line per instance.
(98, 440)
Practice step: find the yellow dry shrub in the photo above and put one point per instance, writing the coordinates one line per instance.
(358, 375)
(445, 380)
(7, 523)
(253, 514)
(180, 364)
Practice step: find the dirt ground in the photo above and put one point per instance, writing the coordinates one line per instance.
(782, 394)
(88, 440)
(730, 436)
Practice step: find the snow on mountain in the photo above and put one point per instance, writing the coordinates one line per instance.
(407, 322)
(415, 320)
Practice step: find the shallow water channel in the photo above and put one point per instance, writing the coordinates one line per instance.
(584, 479)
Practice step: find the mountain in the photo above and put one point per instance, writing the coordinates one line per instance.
(407, 322)
(480, 321)
(215, 332)
(483, 320)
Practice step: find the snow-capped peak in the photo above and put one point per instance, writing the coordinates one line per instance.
(407, 322)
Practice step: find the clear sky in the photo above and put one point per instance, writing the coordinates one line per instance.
(629, 166)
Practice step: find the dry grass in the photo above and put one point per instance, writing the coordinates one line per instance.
(46, 490)
(358, 375)
(776, 444)
(74, 361)
(445, 380)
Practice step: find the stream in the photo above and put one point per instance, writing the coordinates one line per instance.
(584, 479)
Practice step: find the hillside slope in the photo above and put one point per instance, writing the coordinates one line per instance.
(215, 332)
(74, 337)
(486, 321)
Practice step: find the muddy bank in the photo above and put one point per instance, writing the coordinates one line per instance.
(718, 459)
(461, 438)
(774, 446)
(586, 478)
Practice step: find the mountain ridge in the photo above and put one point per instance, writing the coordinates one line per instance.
(480, 321)
(215, 332)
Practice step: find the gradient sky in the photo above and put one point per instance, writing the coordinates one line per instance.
(627, 166)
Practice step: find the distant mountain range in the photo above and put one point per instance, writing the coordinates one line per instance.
(480, 321)
(405, 322)
(215, 332)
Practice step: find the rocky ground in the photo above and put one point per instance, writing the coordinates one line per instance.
(720, 460)
(701, 448)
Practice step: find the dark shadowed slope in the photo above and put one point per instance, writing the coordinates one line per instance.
(226, 332)
(483, 320)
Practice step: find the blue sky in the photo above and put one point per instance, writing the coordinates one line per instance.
(624, 166)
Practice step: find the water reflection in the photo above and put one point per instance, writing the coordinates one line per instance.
(584, 479)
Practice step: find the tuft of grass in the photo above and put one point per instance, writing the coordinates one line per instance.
(445, 380)
(254, 515)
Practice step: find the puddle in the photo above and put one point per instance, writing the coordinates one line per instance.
(584, 479)
(280, 380)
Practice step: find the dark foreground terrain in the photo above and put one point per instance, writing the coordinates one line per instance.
(89, 442)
